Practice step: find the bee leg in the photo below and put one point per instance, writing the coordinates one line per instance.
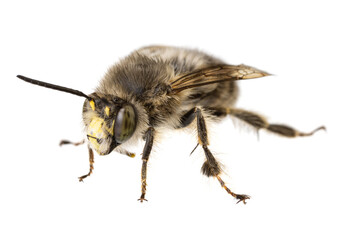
(127, 153)
(239, 197)
(91, 160)
(212, 168)
(149, 139)
(259, 122)
(64, 142)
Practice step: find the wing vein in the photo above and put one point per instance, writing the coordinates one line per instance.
(215, 74)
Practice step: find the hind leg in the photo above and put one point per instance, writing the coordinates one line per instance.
(260, 122)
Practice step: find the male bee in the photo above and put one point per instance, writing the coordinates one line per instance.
(165, 87)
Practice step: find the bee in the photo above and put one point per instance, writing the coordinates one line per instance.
(159, 87)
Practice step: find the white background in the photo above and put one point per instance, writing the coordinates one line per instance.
(305, 188)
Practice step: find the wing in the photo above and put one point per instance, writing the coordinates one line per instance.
(214, 74)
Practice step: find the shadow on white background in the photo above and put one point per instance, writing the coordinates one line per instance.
(300, 188)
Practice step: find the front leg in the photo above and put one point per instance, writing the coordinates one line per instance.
(149, 139)
(91, 156)
(91, 161)
(120, 150)
(64, 142)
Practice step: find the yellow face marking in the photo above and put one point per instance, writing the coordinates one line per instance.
(92, 104)
(107, 111)
(111, 129)
(97, 131)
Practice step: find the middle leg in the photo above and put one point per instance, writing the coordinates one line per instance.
(211, 167)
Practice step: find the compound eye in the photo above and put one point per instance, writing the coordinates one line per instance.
(125, 124)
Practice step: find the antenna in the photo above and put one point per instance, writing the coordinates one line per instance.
(53, 86)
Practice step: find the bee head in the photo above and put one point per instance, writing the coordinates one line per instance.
(109, 121)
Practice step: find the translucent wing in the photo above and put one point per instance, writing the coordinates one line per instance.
(215, 74)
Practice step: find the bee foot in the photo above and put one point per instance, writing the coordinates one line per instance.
(81, 179)
(142, 198)
(242, 198)
(62, 142)
(311, 133)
